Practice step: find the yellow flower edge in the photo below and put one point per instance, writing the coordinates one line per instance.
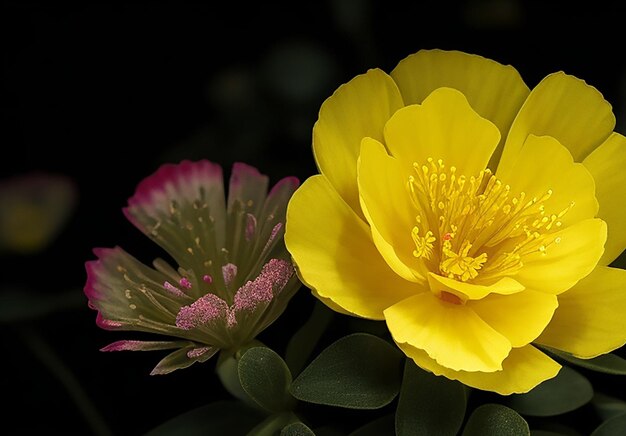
(473, 215)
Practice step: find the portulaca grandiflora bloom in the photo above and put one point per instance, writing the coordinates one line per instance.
(233, 275)
(475, 216)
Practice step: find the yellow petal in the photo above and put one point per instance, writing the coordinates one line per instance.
(444, 127)
(452, 334)
(493, 90)
(606, 164)
(567, 109)
(564, 264)
(520, 317)
(470, 291)
(591, 317)
(387, 206)
(522, 370)
(334, 253)
(357, 109)
(543, 165)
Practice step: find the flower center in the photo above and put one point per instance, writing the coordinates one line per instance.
(474, 226)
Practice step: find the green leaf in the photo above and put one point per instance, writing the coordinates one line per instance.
(265, 378)
(613, 427)
(607, 407)
(273, 424)
(296, 429)
(429, 404)
(303, 342)
(222, 417)
(566, 392)
(383, 426)
(495, 420)
(606, 363)
(358, 371)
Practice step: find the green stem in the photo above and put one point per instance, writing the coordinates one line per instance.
(50, 360)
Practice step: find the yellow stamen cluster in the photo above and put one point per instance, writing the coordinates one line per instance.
(470, 224)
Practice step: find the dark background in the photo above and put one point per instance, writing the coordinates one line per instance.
(105, 93)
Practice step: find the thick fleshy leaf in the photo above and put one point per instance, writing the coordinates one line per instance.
(273, 424)
(221, 417)
(265, 378)
(296, 429)
(304, 341)
(612, 427)
(542, 165)
(590, 319)
(338, 376)
(606, 164)
(495, 420)
(386, 203)
(605, 363)
(563, 264)
(335, 255)
(567, 109)
(493, 90)
(566, 392)
(607, 406)
(520, 317)
(443, 127)
(429, 404)
(452, 334)
(522, 370)
(357, 109)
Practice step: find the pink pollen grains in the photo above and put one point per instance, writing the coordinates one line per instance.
(173, 289)
(273, 278)
(202, 311)
(250, 226)
(185, 283)
(197, 352)
(229, 271)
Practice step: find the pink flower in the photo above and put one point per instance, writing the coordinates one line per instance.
(233, 276)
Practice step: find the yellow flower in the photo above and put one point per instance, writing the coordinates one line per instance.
(471, 214)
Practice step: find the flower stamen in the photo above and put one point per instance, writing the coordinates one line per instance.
(483, 228)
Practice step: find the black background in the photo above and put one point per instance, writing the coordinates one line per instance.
(105, 92)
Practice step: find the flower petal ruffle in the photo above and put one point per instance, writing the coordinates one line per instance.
(451, 334)
(543, 165)
(567, 109)
(330, 243)
(387, 206)
(493, 90)
(182, 207)
(606, 164)
(520, 317)
(563, 264)
(129, 295)
(590, 319)
(443, 127)
(357, 109)
(522, 370)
